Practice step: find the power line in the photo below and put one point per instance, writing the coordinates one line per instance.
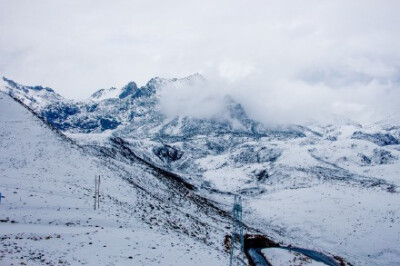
(237, 238)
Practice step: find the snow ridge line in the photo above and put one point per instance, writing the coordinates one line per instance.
(53, 128)
(343, 174)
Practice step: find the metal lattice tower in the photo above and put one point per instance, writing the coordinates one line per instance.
(237, 238)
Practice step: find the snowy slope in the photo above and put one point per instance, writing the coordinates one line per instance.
(47, 214)
(360, 224)
(105, 94)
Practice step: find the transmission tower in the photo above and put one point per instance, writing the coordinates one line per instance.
(237, 238)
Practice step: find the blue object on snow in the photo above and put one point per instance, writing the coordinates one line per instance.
(0, 197)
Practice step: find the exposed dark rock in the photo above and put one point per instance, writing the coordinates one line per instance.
(381, 139)
(382, 156)
(365, 159)
(262, 175)
(378, 157)
(108, 123)
(167, 153)
(128, 89)
(251, 154)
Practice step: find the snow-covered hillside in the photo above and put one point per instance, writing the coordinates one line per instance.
(47, 214)
(331, 187)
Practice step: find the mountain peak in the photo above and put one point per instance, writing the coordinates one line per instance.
(36, 97)
(158, 82)
(104, 94)
(128, 89)
(196, 76)
(10, 82)
(18, 86)
(113, 92)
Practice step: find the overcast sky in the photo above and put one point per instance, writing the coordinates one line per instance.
(283, 59)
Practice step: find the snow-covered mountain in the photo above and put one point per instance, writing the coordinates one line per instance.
(36, 97)
(314, 185)
(47, 216)
(231, 145)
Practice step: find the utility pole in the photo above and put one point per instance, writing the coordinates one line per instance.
(97, 192)
(237, 238)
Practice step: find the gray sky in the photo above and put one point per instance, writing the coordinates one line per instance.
(285, 60)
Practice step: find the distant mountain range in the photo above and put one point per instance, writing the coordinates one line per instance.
(244, 151)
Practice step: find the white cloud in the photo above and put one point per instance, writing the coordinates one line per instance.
(284, 59)
(233, 71)
(200, 99)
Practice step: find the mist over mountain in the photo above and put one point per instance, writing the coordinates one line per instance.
(286, 62)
